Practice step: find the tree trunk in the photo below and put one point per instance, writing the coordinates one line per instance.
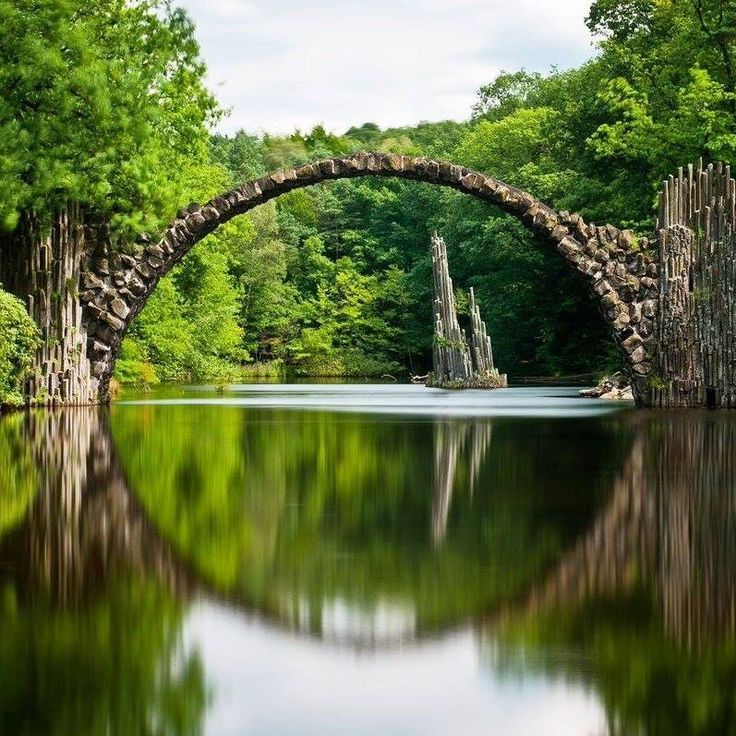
(42, 265)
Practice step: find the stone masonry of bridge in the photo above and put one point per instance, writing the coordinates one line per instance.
(676, 333)
(621, 277)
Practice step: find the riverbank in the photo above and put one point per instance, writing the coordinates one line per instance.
(615, 387)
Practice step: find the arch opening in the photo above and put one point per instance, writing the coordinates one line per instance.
(618, 276)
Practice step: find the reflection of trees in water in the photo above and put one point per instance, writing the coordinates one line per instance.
(670, 525)
(451, 438)
(84, 523)
(312, 518)
(83, 650)
(696, 516)
(658, 560)
(670, 522)
(644, 606)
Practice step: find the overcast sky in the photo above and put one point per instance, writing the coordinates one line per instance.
(286, 64)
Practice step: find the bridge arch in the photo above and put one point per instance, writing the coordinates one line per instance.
(621, 278)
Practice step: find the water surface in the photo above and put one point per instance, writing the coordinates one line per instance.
(367, 559)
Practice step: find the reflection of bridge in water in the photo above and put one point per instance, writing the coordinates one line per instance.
(669, 522)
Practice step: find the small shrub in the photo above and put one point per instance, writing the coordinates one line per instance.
(19, 340)
(269, 369)
(133, 366)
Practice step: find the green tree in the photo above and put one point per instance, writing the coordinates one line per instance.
(102, 103)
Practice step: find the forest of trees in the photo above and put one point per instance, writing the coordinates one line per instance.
(336, 280)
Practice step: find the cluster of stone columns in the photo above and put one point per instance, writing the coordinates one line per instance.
(458, 362)
(480, 340)
(695, 355)
(40, 263)
(451, 356)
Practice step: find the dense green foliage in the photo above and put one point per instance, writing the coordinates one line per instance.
(335, 280)
(19, 338)
(102, 102)
(18, 473)
(648, 682)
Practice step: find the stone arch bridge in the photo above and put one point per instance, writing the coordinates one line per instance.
(668, 300)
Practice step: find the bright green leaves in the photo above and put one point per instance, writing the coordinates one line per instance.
(103, 104)
(699, 124)
(634, 133)
(519, 149)
(19, 339)
(702, 124)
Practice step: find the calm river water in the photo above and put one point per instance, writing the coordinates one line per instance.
(367, 559)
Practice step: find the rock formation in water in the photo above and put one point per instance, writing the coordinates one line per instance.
(458, 362)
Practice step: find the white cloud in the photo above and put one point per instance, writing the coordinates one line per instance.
(285, 64)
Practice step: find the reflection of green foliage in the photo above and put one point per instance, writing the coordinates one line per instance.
(309, 508)
(17, 473)
(114, 669)
(648, 684)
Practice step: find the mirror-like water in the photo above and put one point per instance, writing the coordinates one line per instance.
(367, 559)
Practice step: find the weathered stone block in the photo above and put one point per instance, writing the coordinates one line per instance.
(144, 270)
(120, 308)
(195, 221)
(609, 299)
(98, 368)
(94, 310)
(472, 182)
(136, 287)
(625, 239)
(583, 264)
(307, 171)
(90, 281)
(621, 321)
(559, 232)
(112, 320)
(637, 356)
(568, 246)
(100, 348)
(392, 162)
(632, 343)
(265, 185)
